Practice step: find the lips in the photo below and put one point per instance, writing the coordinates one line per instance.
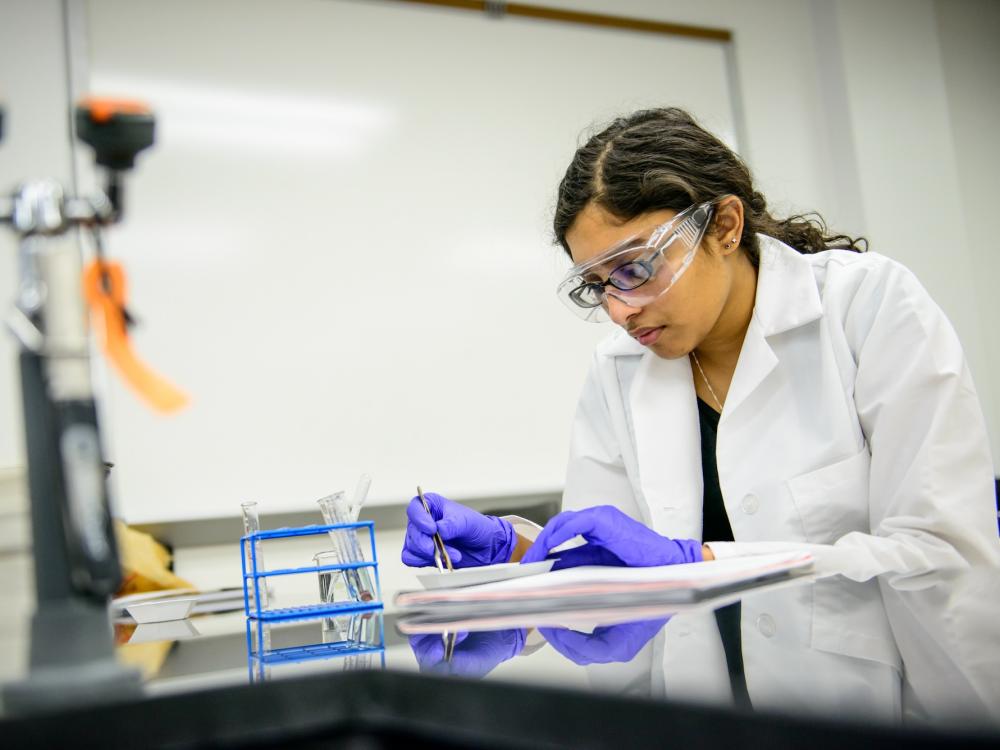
(646, 336)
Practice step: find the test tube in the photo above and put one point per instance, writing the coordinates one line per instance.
(335, 629)
(358, 662)
(335, 510)
(328, 507)
(327, 578)
(260, 646)
(251, 525)
(360, 495)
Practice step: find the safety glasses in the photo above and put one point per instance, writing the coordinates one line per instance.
(636, 272)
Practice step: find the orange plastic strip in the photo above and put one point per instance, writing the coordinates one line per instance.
(107, 308)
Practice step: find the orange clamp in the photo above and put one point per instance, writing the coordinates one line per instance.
(103, 108)
(105, 290)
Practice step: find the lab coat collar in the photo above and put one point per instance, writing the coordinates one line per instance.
(620, 344)
(787, 295)
(787, 298)
(667, 446)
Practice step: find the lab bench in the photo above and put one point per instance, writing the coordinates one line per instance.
(918, 669)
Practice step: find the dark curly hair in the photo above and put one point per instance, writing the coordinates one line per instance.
(661, 158)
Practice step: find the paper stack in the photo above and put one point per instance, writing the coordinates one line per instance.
(603, 586)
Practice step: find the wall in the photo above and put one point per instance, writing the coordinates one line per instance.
(970, 55)
(911, 158)
(35, 144)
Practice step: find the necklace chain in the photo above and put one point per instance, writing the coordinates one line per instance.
(705, 378)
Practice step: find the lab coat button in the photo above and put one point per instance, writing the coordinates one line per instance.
(750, 504)
(766, 625)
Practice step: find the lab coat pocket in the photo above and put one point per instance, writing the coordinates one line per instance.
(849, 618)
(833, 500)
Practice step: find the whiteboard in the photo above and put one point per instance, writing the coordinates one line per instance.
(340, 245)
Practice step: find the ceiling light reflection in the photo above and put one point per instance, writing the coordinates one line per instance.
(266, 123)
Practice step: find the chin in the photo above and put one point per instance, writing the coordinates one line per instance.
(670, 349)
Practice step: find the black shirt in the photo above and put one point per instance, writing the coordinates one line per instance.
(716, 528)
(715, 522)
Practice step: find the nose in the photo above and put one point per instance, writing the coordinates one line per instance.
(619, 311)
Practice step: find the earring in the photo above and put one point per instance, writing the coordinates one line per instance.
(731, 242)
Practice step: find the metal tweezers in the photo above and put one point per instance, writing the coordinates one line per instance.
(440, 553)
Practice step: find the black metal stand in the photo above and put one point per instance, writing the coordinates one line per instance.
(72, 658)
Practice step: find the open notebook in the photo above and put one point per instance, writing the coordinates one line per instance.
(602, 586)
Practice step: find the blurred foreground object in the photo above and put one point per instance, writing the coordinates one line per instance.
(76, 557)
(145, 563)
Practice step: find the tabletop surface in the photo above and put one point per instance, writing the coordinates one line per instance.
(914, 651)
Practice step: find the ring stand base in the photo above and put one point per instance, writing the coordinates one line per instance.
(72, 662)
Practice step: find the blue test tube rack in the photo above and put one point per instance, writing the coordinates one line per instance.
(259, 658)
(253, 577)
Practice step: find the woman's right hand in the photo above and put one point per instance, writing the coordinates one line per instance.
(470, 538)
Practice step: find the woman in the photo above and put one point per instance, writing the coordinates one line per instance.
(769, 384)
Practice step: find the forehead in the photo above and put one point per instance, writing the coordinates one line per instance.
(595, 231)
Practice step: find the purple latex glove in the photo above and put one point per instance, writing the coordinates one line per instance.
(471, 538)
(612, 643)
(476, 654)
(612, 538)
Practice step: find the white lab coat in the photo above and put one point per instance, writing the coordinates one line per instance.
(852, 426)
(785, 670)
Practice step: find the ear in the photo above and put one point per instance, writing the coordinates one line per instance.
(727, 227)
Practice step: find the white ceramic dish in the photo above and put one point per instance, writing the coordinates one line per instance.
(434, 579)
(161, 610)
(174, 630)
(119, 606)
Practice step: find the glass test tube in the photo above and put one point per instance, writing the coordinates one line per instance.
(328, 579)
(335, 510)
(251, 525)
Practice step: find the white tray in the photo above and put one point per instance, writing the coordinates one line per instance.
(434, 579)
(160, 610)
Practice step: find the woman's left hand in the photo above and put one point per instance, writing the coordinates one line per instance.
(613, 538)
